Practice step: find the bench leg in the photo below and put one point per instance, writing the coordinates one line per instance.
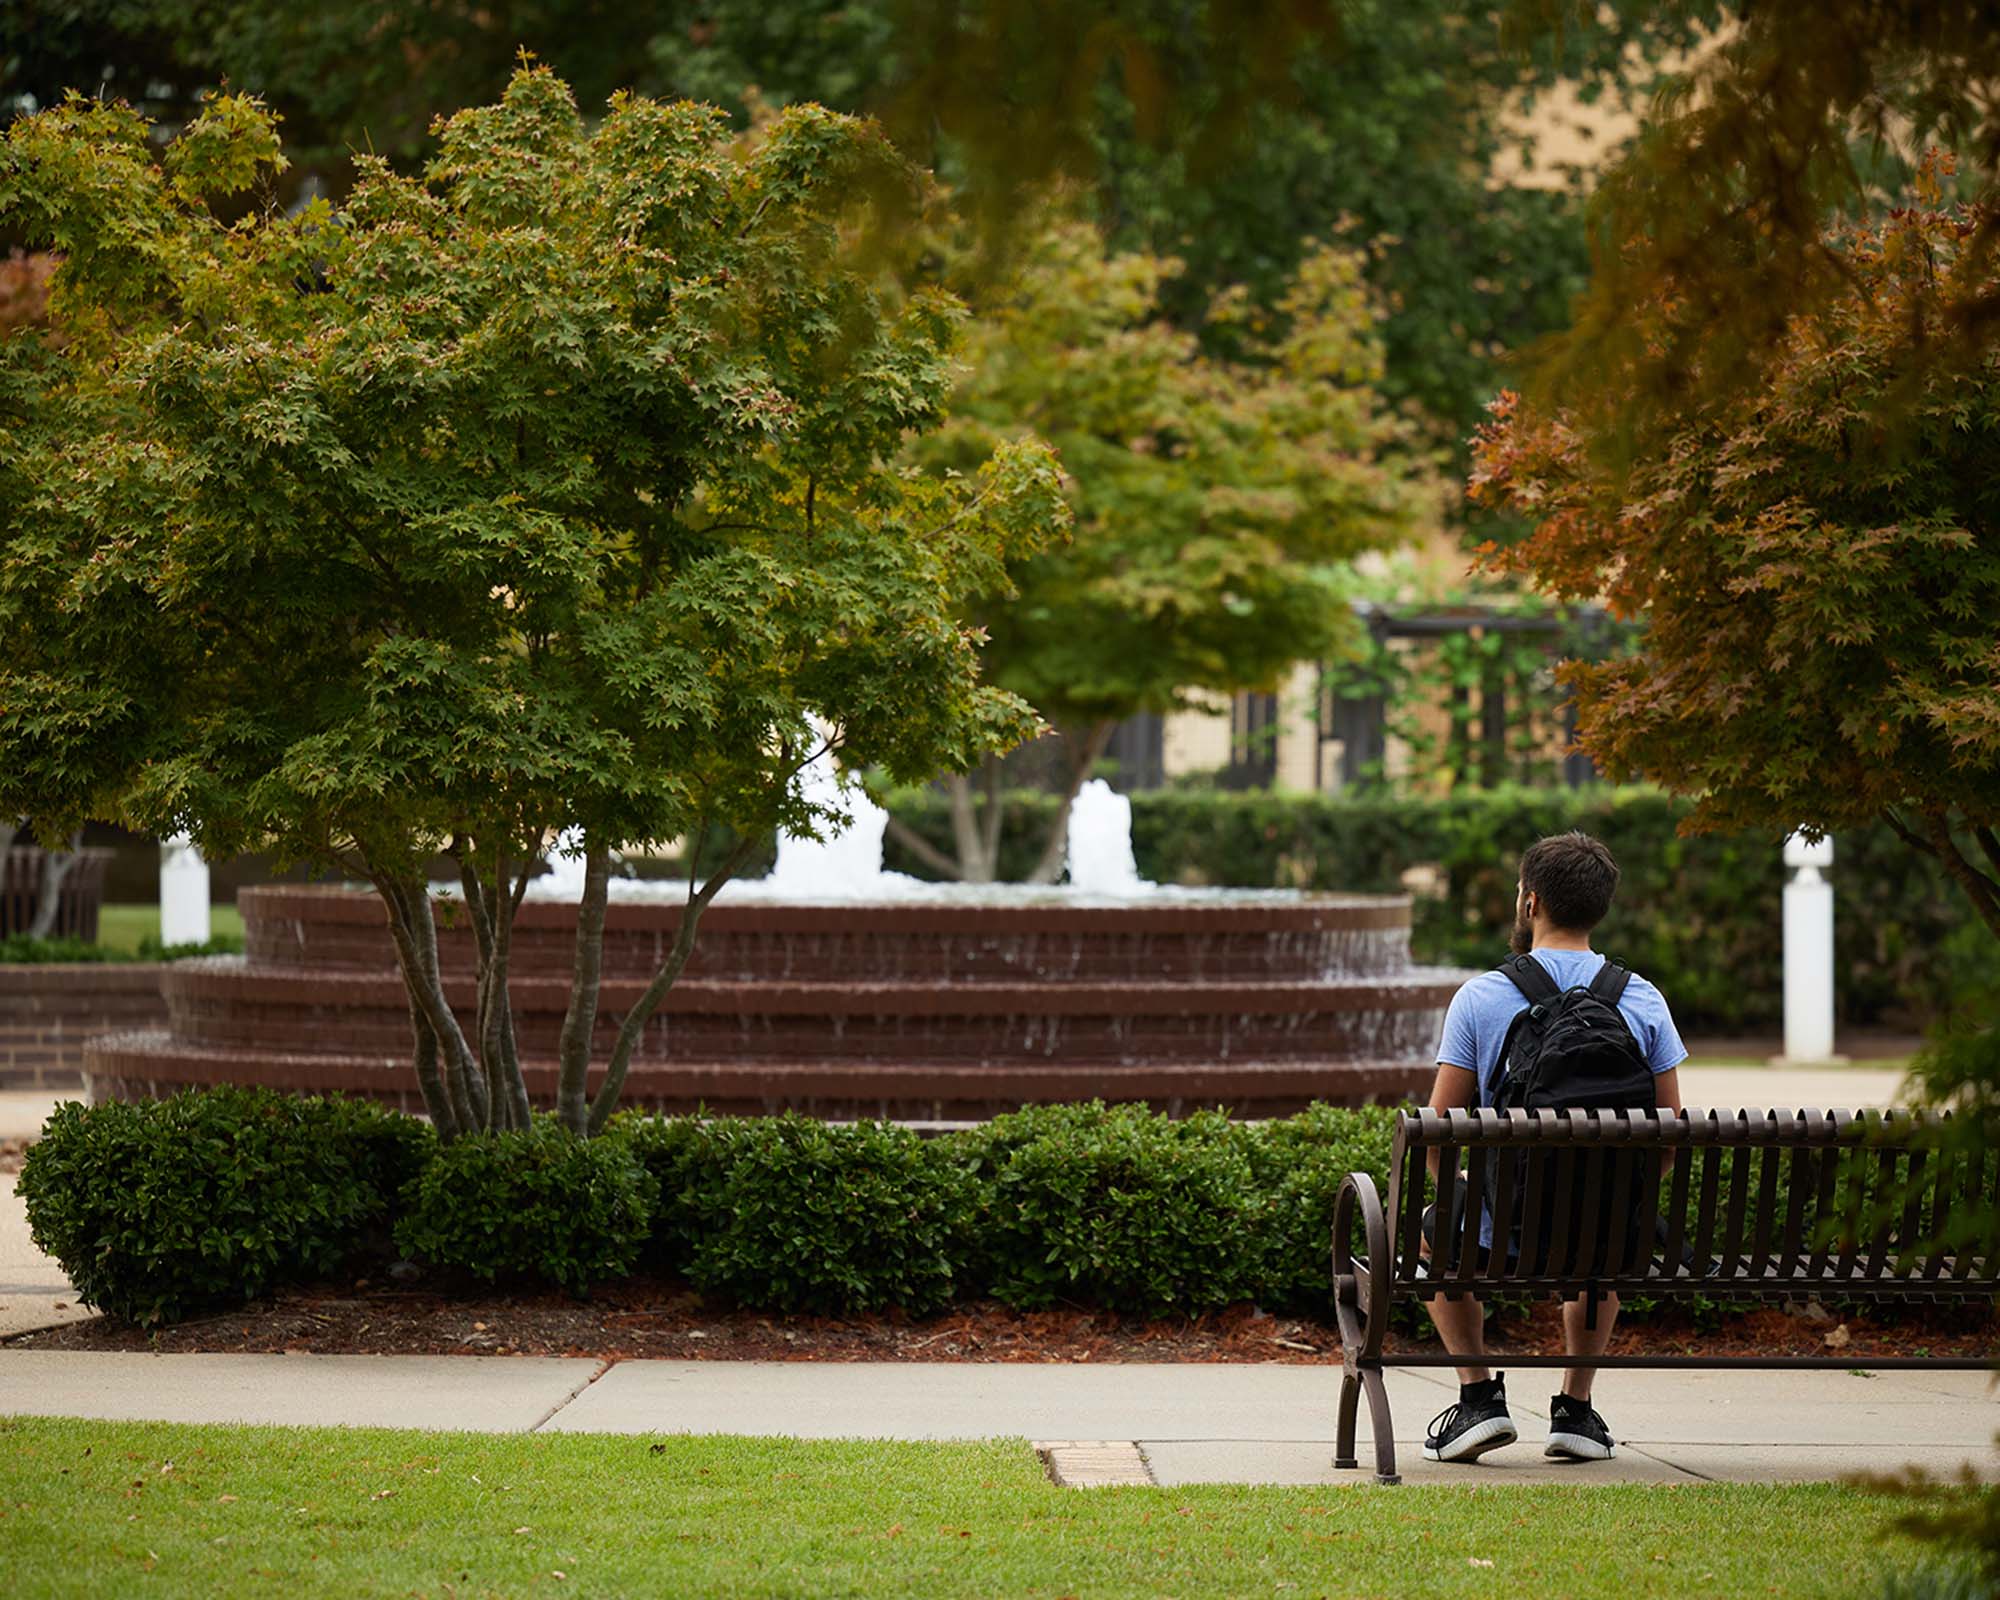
(1380, 1426)
(1350, 1402)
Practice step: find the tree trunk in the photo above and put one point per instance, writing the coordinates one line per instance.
(56, 867)
(976, 863)
(415, 935)
(634, 1025)
(586, 973)
(1084, 757)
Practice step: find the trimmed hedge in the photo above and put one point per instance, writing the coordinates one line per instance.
(158, 1209)
(531, 1203)
(792, 1214)
(1701, 916)
(161, 1208)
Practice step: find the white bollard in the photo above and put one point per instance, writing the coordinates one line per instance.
(1808, 951)
(183, 892)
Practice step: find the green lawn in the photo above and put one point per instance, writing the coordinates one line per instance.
(121, 928)
(134, 1509)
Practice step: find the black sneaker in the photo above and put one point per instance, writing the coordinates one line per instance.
(1477, 1424)
(1576, 1431)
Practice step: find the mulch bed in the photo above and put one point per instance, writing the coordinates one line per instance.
(657, 1318)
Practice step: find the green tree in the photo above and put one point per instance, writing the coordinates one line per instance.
(1216, 500)
(1226, 136)
(552, 487)
(1232, 139)
(1815, 555)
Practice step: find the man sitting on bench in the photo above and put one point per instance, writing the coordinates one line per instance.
(1566, 886)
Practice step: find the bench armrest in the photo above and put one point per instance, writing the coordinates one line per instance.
(1360, 1285)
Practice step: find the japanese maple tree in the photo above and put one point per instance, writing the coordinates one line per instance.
(551, 487)
(1815, 554)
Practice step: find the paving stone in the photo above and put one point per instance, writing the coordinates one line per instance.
(1095, 1463)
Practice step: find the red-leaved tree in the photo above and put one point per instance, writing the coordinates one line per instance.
(1815, 554)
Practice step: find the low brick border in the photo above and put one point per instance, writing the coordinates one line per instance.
(48, 1011)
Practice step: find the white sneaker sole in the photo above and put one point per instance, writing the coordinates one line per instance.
(1475, 1441)
(1577, 1447)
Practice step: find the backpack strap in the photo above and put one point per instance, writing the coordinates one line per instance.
(1531, 978)
(1609, 984)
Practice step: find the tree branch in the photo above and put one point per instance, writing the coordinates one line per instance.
(1903, 832)
(926, 852)
(586, 974)
(1980, 889)
(642, 1011)
(1989, 842)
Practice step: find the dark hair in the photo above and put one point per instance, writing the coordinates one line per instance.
(1574, 877)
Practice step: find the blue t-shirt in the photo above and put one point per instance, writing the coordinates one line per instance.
(1475, 1026)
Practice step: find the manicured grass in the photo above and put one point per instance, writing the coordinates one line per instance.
(121, 928)
(92, 1508)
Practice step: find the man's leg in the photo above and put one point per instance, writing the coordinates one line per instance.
(1461, 1324)
(1479, 1422)
(1579, 1340)
(1576, 1431)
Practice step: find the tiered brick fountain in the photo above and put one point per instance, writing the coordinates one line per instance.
(931, 1009)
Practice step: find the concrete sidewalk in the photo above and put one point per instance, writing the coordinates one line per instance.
(1191, 1423)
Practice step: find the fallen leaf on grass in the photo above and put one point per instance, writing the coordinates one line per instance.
(1477, 1561)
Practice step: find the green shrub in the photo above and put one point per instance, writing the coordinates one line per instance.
(791, 1214)
(222, 944)
(1300, 1163)
(159, 1208)
(1699, 916)
(17, 949)
(533, 1203)
(1116, 1206)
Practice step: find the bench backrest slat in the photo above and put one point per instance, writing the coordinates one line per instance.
(1769, 1160)
(1825, 1209)
(1534, 1186)
(1913, 1213)
(1950, 1164)
(1801, 1183)
(1447, 1187)
(1506, 1171)
(1466, 1247)
(1618, 1231)
(1741, 1160)
(1677, 1208)
(1711, 1190)
(1561, 1187)
(1975, 1254)
(1854, 1164)
(1887, 1161)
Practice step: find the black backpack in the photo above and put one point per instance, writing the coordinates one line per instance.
(1570, 1050)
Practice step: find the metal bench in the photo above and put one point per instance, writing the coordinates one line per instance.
(1672, 1206)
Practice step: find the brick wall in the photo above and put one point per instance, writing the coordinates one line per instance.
(46, 1012)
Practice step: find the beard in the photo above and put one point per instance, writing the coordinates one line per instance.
(1522, 939)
